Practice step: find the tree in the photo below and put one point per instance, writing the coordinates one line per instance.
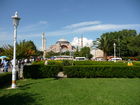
(51, 53)
(134, 45)
(85, 52)
(76, 53)
(24, 49)
(121, 38)
(105, 44)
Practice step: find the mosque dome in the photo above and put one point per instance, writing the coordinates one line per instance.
(62, 41)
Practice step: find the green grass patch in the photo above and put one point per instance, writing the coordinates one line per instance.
(99, 91)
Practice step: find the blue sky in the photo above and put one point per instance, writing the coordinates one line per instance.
(66, 19)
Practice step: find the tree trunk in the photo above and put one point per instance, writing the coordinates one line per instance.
(105, 55)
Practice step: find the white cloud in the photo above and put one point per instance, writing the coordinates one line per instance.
(99, 27)
(107, 27)
(81, 24)
(86, 42)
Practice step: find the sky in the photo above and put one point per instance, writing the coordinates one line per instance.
(67, 19)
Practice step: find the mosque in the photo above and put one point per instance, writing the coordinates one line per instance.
(61, 45)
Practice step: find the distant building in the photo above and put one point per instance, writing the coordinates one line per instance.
(61, 45)
(97, 53)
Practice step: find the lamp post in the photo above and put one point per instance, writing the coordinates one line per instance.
(15, 24)
(114, 51)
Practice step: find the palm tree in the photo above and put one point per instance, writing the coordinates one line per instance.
(106, 44)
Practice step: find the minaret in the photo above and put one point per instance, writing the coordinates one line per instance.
(43, 45)
(78, 44)
(82, 41)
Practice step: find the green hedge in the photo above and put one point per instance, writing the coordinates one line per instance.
(55, 62)
(132, 58)
(136, 63)
(98, 63)
(5, 78)
(41, 71)
(38, 63)
(102, 71)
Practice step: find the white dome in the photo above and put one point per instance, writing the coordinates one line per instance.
(62, 40)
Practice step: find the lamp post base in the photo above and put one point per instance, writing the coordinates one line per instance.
(13, 84)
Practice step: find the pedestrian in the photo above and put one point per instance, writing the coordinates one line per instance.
(19, 64)
(5, 65)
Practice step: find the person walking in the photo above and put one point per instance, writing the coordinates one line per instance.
(5, 65)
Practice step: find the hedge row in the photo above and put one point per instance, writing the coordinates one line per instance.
(132, 58)
(5, 78)
(38, 62)
(41, 71)
(55, 62)
(88, 62)
(98, 63)
(102, 71)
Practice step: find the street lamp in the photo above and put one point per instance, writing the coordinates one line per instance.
(15, 24)
(114, 51)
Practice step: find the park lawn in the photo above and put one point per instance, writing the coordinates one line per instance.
(73, 91)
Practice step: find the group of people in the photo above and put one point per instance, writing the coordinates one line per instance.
(6, 64)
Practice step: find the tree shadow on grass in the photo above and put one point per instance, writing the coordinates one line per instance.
(26, 86)
(18, 99)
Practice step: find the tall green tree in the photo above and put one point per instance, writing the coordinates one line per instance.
(85, 52)
(121, 38)
(134, 45)
(105, 44)
(77, 53)
(51, 53)
(24, 49)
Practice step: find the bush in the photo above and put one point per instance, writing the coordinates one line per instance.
(5, 78)
(102, 71)
(98, 63)
(136, 63)
(67, 62)
(41, 71)
(54, 62)
(131, 58)
(38, 63)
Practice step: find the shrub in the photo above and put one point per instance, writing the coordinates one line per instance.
(38, 63)
(132, 58)
(54, 62)
(103, 71)
(5, 78)
(41, 71)
(137, 63)
(98, 63)
(67, 62)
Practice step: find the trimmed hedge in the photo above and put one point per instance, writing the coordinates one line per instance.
(98, 63)
(136, 63)
(41, 71)
(55, 62)
(38, 62)
(5, 78)
(102, 71)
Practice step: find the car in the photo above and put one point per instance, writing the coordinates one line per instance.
(80, 58)
(115, 59)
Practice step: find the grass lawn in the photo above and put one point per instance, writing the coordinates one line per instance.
(95, 91)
